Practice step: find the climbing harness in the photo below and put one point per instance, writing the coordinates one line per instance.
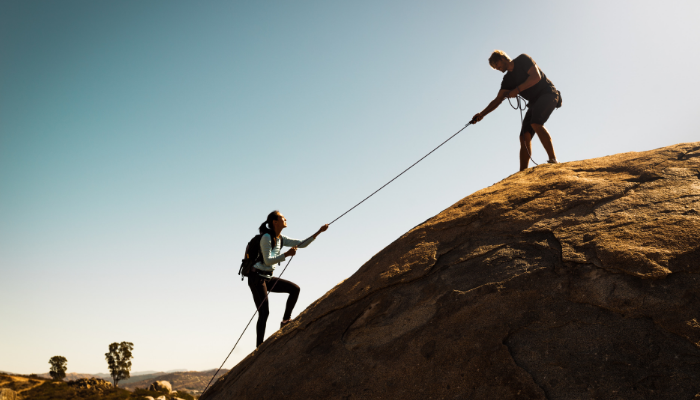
(343, 214)
(521, 107)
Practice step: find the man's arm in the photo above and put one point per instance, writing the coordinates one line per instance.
(492, 106)
(533, 76)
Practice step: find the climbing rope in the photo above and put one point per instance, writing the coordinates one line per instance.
(343, 214)
(520, 107)
(431, 152)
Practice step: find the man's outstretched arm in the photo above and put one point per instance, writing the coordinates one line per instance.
(492, 106)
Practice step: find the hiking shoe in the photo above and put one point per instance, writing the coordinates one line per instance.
(553, 161)
(285, 322)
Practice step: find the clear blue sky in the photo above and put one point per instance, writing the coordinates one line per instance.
(143, 143)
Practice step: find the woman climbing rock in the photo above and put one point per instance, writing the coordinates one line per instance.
(261, 280)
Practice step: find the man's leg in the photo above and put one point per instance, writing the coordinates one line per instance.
(525, 150)
(546, 140)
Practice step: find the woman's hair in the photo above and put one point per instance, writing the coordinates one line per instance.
(498, 55)
(267, 226)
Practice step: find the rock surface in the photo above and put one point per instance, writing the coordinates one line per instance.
(569, 281)
(157, 386)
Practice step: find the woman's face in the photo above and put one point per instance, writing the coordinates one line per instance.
(280, 223)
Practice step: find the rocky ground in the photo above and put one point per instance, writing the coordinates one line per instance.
(571, 281)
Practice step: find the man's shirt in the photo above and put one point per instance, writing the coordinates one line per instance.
(519, 75)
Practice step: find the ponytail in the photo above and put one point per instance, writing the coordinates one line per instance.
(268, 228)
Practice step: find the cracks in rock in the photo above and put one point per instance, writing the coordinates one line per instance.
(660, 328)
(674, 199)
(685, 156)
(510, 352)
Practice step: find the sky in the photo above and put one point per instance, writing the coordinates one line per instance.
(143, 143)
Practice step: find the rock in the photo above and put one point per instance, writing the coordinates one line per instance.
(578, 280)
(161, 385)
(161, 398)
(8, 394)
(148, 398)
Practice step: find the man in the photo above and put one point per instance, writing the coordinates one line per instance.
(523, 77)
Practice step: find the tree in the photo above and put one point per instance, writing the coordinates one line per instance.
(58, 367)
(119, 361)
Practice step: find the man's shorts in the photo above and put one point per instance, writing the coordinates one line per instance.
(538, 112)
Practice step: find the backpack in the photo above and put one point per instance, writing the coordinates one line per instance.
(252, 256)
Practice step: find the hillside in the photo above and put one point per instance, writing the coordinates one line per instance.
(569, 281)
(72, 376)
(191, 381)
(18, 383)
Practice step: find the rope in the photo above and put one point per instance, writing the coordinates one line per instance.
(521, 108)
(448, 139)
(343, 214)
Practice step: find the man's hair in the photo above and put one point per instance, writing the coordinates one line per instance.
(498, 55)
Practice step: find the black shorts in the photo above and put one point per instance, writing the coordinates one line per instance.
(538, 112)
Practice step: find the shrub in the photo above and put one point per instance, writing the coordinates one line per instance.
(184, 395)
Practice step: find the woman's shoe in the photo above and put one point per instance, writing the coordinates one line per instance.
(285, 322)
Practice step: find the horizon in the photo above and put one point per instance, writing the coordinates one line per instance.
(142, 144)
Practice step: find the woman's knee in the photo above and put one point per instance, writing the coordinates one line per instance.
(264, 311)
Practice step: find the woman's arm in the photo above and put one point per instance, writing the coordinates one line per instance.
(294, 243)
(266, 250)
(321, 229)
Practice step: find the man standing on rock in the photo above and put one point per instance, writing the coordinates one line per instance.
(523, 77)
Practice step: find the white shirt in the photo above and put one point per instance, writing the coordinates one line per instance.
(273, 255)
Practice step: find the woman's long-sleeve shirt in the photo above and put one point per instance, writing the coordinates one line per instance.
(273, 255)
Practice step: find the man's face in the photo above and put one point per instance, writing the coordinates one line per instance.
(500, 65)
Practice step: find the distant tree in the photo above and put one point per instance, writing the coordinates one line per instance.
(119, 361)
(58, 367)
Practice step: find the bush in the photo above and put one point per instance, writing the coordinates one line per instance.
(184, 395)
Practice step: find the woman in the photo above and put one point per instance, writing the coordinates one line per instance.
(261, 280)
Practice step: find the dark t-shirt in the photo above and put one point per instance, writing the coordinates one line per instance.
(519, 75)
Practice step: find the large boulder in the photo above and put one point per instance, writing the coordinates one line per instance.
(569, 281)
(7, 394)
(158, 386)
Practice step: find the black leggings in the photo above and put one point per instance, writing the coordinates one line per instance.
(259, 287)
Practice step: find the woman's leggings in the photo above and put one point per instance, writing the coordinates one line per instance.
(259, 287)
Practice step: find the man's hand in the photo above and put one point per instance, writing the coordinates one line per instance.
(476, 118)
(513, 93)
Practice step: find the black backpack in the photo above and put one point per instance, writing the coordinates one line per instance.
(252, 256)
